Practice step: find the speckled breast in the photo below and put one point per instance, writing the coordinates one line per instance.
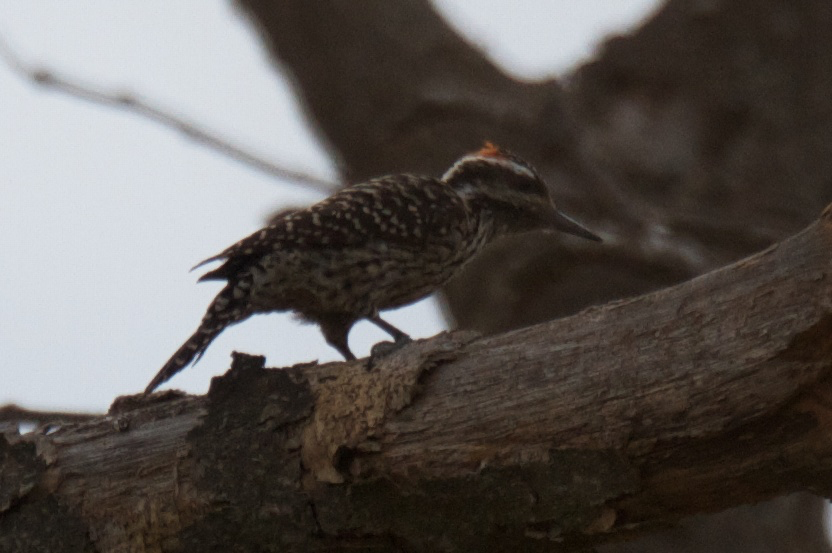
(361, 281)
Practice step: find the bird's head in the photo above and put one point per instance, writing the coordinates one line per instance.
(511, 191)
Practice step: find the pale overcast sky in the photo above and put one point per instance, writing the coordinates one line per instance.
(103, 213)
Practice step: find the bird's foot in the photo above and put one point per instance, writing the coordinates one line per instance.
(382, 349)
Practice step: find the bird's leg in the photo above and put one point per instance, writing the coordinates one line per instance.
(397, 334)
(335, 330)
(383, 349)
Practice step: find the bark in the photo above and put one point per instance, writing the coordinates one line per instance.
(702, 137)
(615, 421)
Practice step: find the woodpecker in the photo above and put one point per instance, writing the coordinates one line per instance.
(373, 246)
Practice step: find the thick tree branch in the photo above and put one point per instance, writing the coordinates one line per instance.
(565, 434)
(708, 135)
(132, 103)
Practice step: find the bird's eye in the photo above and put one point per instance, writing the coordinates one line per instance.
(524, 178)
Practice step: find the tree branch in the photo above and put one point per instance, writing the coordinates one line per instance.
(132, 103)
(697, 139)
(15, 414)
(567, 434)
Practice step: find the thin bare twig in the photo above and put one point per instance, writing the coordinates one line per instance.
(15, 414)
(133, 103)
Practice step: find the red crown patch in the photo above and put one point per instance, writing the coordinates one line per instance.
(490, 150)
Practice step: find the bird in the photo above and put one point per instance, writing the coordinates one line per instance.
(372, 246)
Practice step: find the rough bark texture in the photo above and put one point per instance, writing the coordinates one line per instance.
(616, 421)
(702, 137)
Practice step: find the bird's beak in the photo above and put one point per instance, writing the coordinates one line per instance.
(563, 223)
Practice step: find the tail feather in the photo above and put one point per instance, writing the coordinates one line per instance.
(190, 351)
(224, 311)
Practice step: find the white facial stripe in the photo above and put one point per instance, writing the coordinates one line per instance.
(509, 164)
(455, 167)
(516, 167)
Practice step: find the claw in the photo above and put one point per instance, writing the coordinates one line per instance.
(382, 349)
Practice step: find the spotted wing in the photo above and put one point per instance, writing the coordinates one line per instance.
(407, 211)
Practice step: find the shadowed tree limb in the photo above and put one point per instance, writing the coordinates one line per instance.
(699, 138)
(737, 143)
(567, 434)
